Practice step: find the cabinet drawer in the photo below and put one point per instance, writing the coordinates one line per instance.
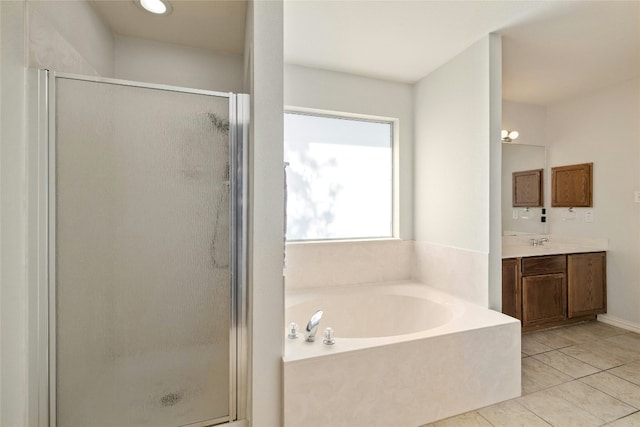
(544, 265)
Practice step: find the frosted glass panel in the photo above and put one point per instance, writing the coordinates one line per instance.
(339, 178)
(142, 256)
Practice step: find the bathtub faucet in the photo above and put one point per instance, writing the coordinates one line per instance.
(312, 326)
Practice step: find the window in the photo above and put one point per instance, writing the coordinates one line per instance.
(339, 177)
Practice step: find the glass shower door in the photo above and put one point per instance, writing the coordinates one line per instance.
(141, 256)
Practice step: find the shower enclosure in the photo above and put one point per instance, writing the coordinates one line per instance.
(145, 230)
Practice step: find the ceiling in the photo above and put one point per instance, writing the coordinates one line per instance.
(216, 25)
(552, 49)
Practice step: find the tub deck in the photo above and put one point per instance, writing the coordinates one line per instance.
(471, 361)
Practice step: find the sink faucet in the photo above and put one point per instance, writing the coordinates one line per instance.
(312, 326)
(536, 242)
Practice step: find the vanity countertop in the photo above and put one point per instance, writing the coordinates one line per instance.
(520, 246)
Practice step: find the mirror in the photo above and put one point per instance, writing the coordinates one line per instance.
(517, 158)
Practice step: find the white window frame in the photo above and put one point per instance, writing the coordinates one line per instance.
(395, 166)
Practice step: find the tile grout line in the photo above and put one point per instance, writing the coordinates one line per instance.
(608, 394)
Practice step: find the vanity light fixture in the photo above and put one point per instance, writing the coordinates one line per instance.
(157, 7)
(509, 135)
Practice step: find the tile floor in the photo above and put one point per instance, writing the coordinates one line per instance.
(579, 375)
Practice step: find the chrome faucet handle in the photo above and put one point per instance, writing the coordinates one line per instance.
(328, 337)
(293, 331)
(541, 241)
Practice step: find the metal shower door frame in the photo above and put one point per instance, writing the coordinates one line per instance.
(42, 154)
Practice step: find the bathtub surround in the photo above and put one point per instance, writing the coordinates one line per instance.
(469, 361)
(319, 264)
(457, 271)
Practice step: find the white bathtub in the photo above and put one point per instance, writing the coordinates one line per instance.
(405, 355)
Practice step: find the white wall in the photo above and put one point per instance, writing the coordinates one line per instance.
(69, 36)
(13, 231)
(347, 93)
(264, 68)
(457, 123)
(154, 62)
(61, 36)
(603, 127)
(529, 120)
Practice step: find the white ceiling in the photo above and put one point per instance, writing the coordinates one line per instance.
(551, 49)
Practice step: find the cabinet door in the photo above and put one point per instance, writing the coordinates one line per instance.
(544, 299)
(510, 288)
(587, 284)
(572, 186)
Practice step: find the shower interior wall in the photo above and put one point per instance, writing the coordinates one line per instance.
(92, 49)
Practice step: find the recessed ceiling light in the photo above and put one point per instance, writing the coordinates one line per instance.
(158, 7)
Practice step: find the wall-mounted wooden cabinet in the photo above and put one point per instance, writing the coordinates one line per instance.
(527, 188)
(572, 186)
(545, 291)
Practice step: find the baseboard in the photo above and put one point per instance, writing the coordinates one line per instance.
(620, 323)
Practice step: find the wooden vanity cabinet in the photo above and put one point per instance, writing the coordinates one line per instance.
(587, 283)
(511, 287)
(545, 291)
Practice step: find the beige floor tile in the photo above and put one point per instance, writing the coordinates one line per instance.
(629, 372)
(595, 354)
(579, 333)
(614, 386)
(558, 412)
(470, 419)
(632, 420)
(538, 376)
(603, 330)
(554, 338)
(530, 346)
(584, 332)
(614, 349)
(566, 364)
(629, 342)
(511, 414)
(593, 401)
